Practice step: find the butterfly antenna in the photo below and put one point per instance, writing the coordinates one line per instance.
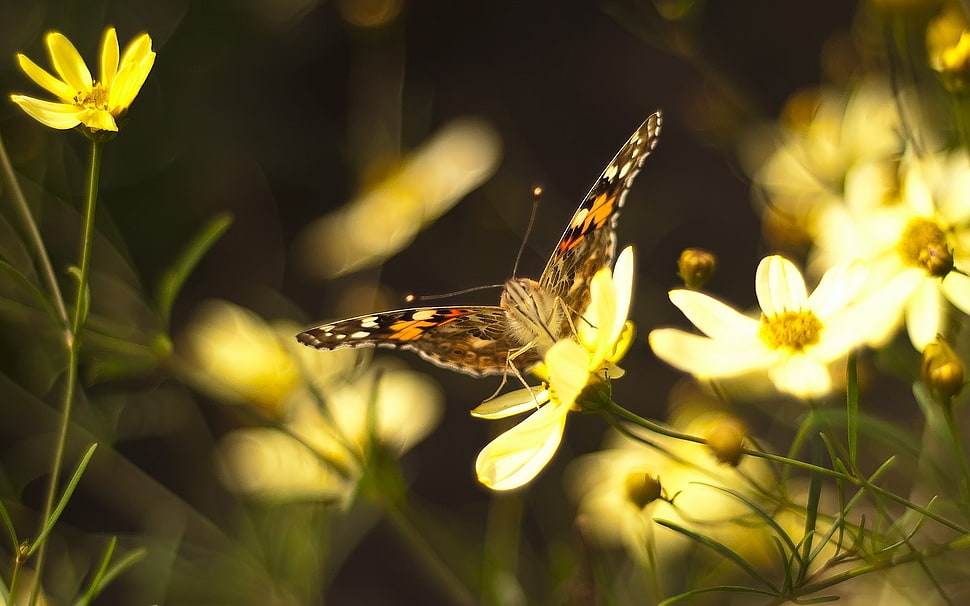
(536, 198)
(413, 298)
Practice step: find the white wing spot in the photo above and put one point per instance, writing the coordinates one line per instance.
(626, 169)
(580, 217)
(369, 322)
(610, 172)
(360, 334)
(423, 314)
(339, 336)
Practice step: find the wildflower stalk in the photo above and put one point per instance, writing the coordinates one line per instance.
(73, 345)
(954, 430)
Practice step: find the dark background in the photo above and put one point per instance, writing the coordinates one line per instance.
(277, 111)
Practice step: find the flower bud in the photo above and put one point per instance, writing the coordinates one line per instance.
(642, 489)
(695, 267)
(726, 441)
(942, 370)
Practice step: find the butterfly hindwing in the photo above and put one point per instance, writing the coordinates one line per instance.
(470, 339)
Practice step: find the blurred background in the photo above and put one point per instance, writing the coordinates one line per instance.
(284, 113)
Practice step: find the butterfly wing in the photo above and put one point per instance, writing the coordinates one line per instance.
(472, 340)
(589, 242)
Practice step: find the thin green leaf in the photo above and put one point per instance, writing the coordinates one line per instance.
(172, 280)
(62, 503)
(106, 574)
(824, 599)
(765, 516)
(716, 589)
(11, 531)
(721, 549)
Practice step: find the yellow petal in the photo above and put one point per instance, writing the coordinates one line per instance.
(801, 376)
(45, 80)
(68, 63)
(48, 113)
(709, 358)
(109, 57)
(925, 313)
(569, 368)
(512, 403)
(97, 119)
(712, 317)
(128, 82)
(780, 286)
(514, 458)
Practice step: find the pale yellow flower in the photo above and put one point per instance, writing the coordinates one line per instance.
(795, 338)
(571, 366)
(97, 104)
(612, 513)
(915, 248)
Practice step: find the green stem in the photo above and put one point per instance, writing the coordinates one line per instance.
(34, 239)
(951, 424)
(74, 347)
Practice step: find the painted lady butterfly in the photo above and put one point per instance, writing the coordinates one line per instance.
(531, 316)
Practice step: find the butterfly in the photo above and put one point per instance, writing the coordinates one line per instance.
(531, 315)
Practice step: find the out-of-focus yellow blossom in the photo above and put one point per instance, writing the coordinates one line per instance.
(320, 457)
(942, 370)
(948, 46)
(97, 104)
(600, 483)
(575, 371)
(386, 217)
(795, 338)
(918, 246)
(825, 137)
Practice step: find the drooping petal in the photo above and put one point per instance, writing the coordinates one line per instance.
(708, 358)
(713, 317)
(837, 288)
(48, 113)
(801, 376)
(925, 313)
(68, 63)
(780, 286)
(109, 57)
(45, 80)
(514, 458)
(97, 119)
(512, 403)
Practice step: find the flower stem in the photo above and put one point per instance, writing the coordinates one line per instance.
(954, 429)
(73, 345)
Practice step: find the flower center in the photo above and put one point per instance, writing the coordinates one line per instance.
(923, 245)
(794, 330)
(96, 98)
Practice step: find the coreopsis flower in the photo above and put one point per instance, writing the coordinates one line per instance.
(97, 104)
(319, 455)
(795, 338)
(919, 243)
(621, 489)
(574, 371)
(825, 136)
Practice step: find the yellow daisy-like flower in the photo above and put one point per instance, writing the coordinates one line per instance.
(97, 104)
(795, 338)
(919, 245)
(571, 367)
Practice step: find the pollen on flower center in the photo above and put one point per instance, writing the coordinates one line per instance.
(794, 330)
(96, 98)
(923, 245)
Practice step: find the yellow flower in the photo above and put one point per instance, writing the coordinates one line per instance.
(915, 248)
(610, 485)
(97, 104)
(572, 367)
(795, 338)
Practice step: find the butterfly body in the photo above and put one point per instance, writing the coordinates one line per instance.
(532, 314)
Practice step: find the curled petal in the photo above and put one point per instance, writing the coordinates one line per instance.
(109, 57)
(514, 458)
(780, 286)
(129, 80)
(97, 119)
(68, 63)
